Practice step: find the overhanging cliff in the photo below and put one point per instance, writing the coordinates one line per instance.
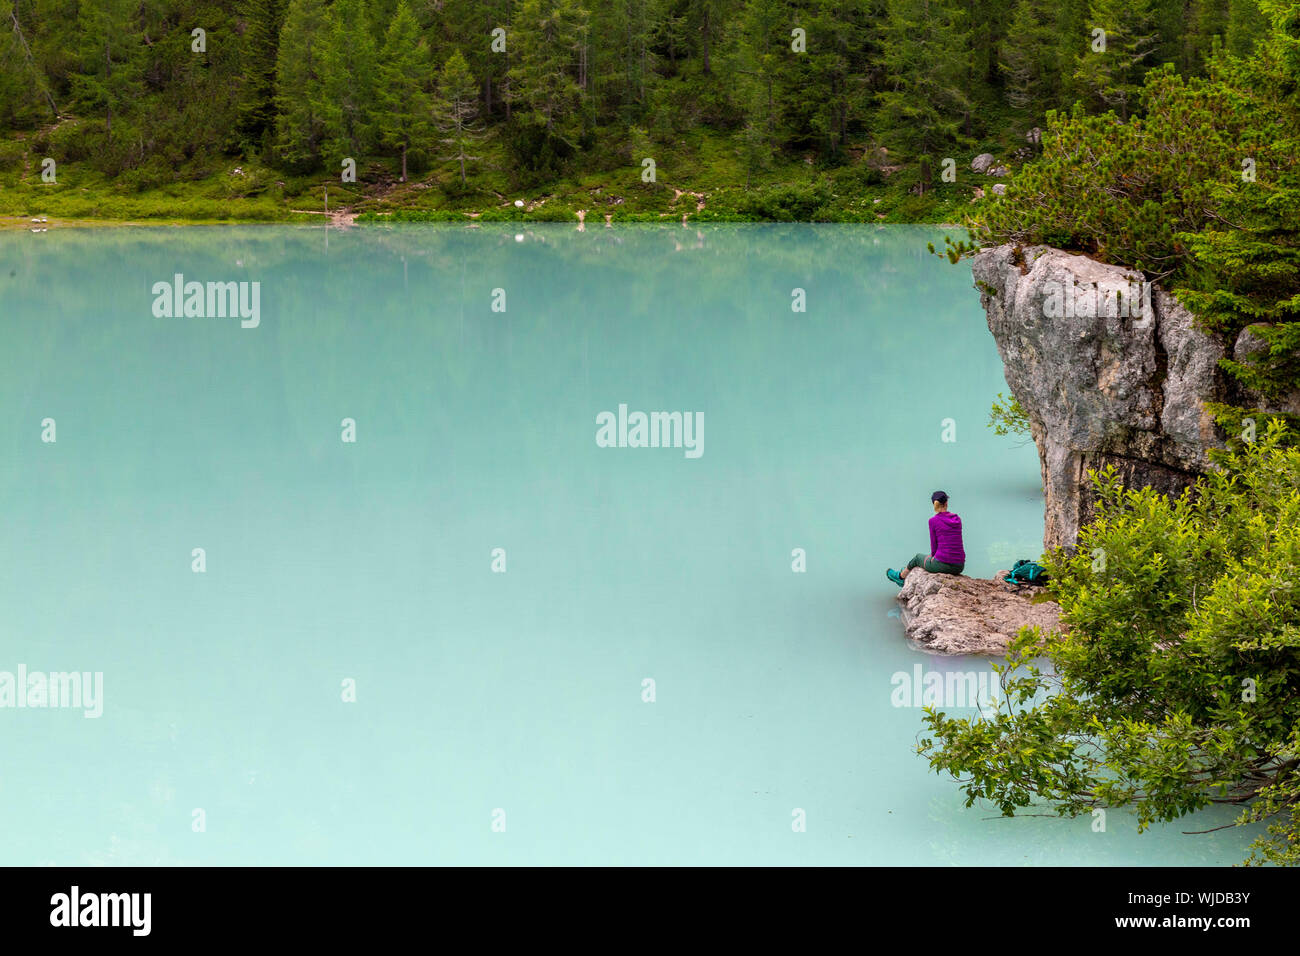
(1109, 371)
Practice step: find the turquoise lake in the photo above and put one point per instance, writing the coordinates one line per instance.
(488, 697)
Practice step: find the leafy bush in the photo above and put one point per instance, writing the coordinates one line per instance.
(415, 215)
(862, 175)
(1175, 681)
(498, 214)
(788, 203)
(417, 162)
(1008, 417)
(550, 212)
(11, 156)
(537, 155)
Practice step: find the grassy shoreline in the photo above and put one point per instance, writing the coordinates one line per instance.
(20, 223)
(699, 182)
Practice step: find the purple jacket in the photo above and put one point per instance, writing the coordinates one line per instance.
(945, 538)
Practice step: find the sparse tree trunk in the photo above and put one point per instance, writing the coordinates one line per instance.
(108, 82)
(37, 76)
(708, 68)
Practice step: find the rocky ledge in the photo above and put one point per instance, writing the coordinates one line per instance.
(951, 614)
(1109, 370)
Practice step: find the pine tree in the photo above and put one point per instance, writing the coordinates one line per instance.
(988, 22)
(546, 36)
(1247, 259)
(1072, 38)
(708, 20)
(1246, 24)
(830, 73)
(468, 24)
(259, 50)
(109, 46)
(1207, 20)
(926, 57)
(347, 72)
(765, 65)
(1028, 59)
(1112, 77)
(300, 125)
(635, 17)
(456, 109)
(403, 102)
(25, 96)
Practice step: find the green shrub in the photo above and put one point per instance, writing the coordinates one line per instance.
(499, 214)
(1175, 680)
(1008, 417)
(536, 155)
(786, 203)
(550, 212)
(417, 162)
(414, 215)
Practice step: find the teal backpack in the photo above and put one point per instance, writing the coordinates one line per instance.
(1026, 572)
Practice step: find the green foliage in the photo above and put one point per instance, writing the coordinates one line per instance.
(544, 90)
(456, 111)
(1175, 681)
(1110, 69)
(787, 203)
(108, 58)
(1030, 61)
(1202, 191)
(348, 81)
(798, 89)
(261, 42)
(1008, 417)
(300, 125)
(401, 97)
(536, 155)
(927, 52)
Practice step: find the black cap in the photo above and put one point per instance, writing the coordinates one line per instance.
(940, 496)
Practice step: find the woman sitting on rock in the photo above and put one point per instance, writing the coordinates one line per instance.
(946, 553)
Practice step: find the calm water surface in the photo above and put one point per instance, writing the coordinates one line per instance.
(372, 561)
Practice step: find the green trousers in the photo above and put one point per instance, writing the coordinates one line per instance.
(927, 563)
